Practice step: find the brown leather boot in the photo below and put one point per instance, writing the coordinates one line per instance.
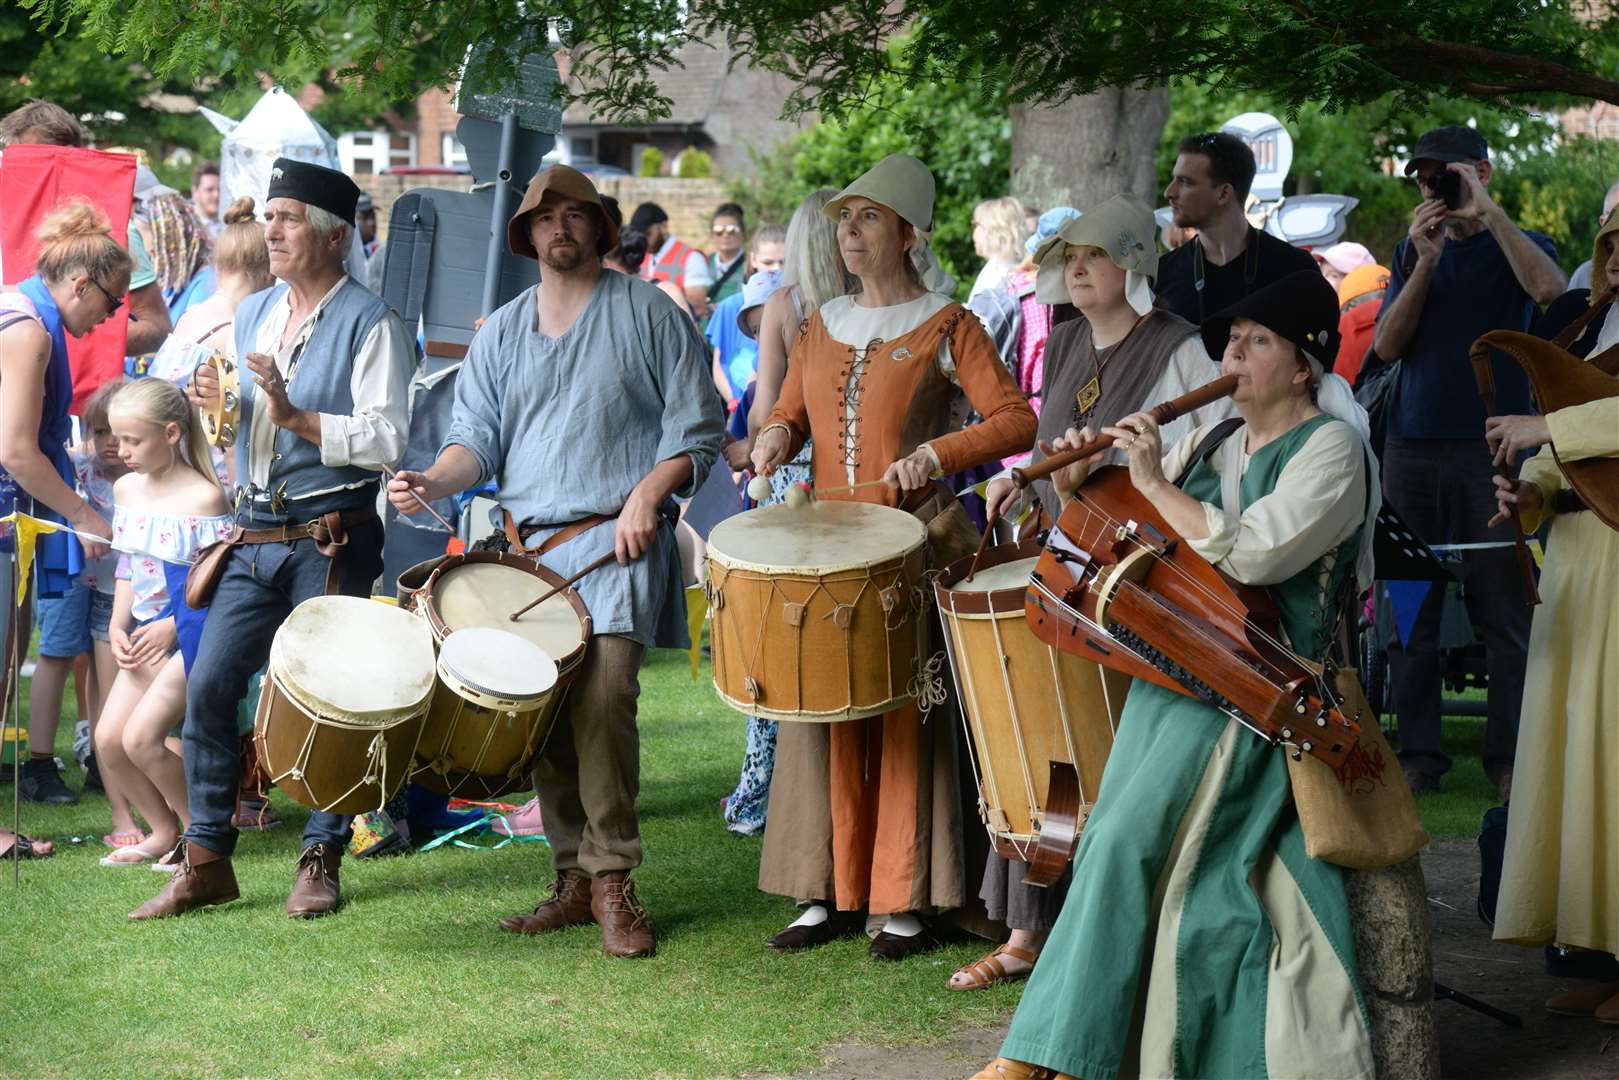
(315, 891)
(204, 877)
(626, 930)
(566, 903)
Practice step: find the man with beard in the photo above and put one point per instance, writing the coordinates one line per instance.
(1228, 258)
(587, 401)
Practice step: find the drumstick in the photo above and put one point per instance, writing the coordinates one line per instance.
(989, 530)
(390, 474)
(856, 487)
(597, 565)
(845, 488)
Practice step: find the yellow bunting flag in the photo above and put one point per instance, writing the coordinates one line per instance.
(26, 531)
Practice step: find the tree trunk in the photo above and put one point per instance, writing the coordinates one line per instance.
(1089, 148)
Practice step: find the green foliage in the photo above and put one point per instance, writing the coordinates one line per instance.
(650, 163)
(1545, 184)
(694, 164)
(963, 137)
(1340, 52)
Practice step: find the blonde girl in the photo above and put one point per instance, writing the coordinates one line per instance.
(167, 508)
(1000, 226)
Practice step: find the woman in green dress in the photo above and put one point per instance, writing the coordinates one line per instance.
(1198, 938)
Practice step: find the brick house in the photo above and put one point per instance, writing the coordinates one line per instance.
(729, 112)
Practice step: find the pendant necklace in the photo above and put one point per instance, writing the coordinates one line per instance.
(1091, 392)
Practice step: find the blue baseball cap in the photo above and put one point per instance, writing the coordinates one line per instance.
(1047, 227)
(754, 293)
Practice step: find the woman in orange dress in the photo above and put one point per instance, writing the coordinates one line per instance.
(865, 815)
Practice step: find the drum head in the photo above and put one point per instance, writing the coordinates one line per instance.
(1007, 575)
(353, 660)
(819, 538)
(486, 594)
(498, 662)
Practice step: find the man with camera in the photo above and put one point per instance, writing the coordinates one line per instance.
(1463, 270)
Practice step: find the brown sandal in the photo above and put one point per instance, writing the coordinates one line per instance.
(989, 970)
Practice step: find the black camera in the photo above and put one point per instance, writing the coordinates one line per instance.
(1446, 186)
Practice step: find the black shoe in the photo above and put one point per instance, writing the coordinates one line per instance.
(886, 946)
(41, 783)
(1562, 963)
(795, 938)
(92, 776)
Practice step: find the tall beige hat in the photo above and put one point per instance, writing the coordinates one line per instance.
(901, 183)
(1123, 227)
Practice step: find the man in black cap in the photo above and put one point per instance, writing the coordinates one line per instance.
(324, 412)
(1228, 258)
(670, 259)
(1463, 270)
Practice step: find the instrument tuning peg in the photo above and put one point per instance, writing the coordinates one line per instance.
(1287, 733)
(1297, 756)
(1321, 718)
(1300, 707)
(1306, 746)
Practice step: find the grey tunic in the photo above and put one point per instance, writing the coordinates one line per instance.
(566, 427)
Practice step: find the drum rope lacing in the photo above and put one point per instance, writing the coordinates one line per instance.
(894, 617)
(972, 717)
(376, 765)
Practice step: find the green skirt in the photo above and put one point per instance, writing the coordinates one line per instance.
(1198, 939)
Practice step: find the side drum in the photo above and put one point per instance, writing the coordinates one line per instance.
(474, 746)
(817, 610)
(1025, 706)
(343, 703)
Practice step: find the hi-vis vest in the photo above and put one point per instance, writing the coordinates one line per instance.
(672, 267)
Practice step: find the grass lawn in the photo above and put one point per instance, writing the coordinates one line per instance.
(413, 978)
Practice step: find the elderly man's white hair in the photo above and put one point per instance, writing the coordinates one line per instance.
(324, 222)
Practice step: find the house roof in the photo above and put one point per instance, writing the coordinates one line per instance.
(692, 86)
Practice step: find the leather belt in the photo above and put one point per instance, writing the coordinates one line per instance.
(1567, 502)
(328, 531)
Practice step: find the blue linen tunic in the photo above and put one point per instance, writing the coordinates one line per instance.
(565, 427)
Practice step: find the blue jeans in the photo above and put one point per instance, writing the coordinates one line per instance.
(261, 585)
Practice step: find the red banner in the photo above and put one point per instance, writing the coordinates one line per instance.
(33, 180)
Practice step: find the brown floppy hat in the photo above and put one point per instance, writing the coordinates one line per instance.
(568, 183)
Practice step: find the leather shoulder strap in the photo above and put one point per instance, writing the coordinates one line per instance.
(1210, 442)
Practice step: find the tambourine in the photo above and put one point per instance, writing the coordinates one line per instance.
(221, 420)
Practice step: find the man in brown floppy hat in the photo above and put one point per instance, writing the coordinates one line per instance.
(587, 401)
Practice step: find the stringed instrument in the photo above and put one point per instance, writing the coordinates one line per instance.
(1116, 585)
(1559, 380)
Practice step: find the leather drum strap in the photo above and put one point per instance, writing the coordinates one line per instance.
(556, 539)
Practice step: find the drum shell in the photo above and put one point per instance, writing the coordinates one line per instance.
(773, 662)
(282, 727)
(1024, 703)
(453, 757)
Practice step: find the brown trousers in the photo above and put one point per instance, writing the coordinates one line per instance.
(589, 772)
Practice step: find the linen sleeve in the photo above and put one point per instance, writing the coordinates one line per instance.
(374, 434)
(1586, 431)
(693, 416)
(475, 416)
(1008, 426)
(1318, 502)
